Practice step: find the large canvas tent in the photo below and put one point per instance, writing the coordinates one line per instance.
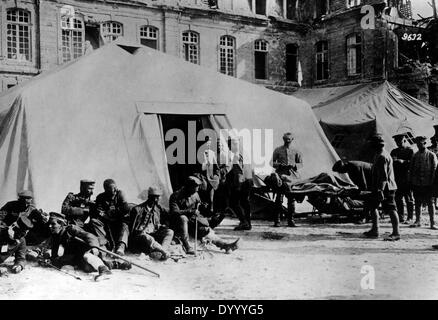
(350, 114)
(99, 117)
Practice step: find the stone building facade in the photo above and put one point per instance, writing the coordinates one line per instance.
(280, 44)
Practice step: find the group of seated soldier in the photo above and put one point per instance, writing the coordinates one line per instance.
(74, 235)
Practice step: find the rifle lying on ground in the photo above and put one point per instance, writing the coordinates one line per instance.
(115, 255)
(45, 262)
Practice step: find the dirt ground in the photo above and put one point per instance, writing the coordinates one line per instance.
(315, 261)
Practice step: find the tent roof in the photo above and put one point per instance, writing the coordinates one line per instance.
(393, 110)
(96, 118)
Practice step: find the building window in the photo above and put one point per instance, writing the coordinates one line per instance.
(227, 46)
(291, 62)
(322, 64)
(260, 7)
(322, 8)
(353, 3)
(291, 9)
(149, 36)
(111, 30)
(354, 54)
(261, 59)
(18, 28)
(191, 46)
(73, 38)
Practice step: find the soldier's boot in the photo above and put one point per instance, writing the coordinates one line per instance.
(158, 252)
(120, 250)
(221, 244)
(187, 247)
(104, 273)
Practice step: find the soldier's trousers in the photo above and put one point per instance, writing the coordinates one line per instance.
(182, 225)
(239, 203)
(279, 207)
(406, 194)
(110, 233)
(156, 241)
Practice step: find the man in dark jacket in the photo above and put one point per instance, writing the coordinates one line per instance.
(147, 232)
(383, 189)
(402, 156)
(184, 216)
(12, 242)
(82, 253)
(77, 207)
(111, 220)
(23, 206)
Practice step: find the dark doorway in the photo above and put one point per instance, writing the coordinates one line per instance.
(180, 171)
(92, 32)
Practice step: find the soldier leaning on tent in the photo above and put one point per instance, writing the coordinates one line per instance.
(111, 218)
(78, 207)
(12, 242)
(402, 156)
(23, 206)
(287, 161)
(147, 230)
(185, 215)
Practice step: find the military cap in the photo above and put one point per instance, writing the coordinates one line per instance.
(420, 139)
(85, 182)
(193, 181)
(24, 223)
(154, 191)
(399, 136)
(25, 194)
(58, 216)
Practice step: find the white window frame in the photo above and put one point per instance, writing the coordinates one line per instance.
(324, 54)
(149, 32)
(352, 3)
(227, 55)
(354, 56)
(16, 26)
(261, 45)
(72, 28)
(108, 30)
(190, 47)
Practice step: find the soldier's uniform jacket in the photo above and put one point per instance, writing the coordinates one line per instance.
(145, 220)
(10, 247)
(66, 238)
(14, 209)
(105, 203)
(182, 204)
(77, 208)
(287, 156)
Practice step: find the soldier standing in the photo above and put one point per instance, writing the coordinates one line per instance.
(383, 188)
(147, 230)
(421, 176)
(286, 161)
(401, 157)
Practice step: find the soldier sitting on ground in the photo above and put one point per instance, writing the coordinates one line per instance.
(23, 206)
(12, 242)
(77, 207)
(148, 233)
(185, 215)
(79, 248)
